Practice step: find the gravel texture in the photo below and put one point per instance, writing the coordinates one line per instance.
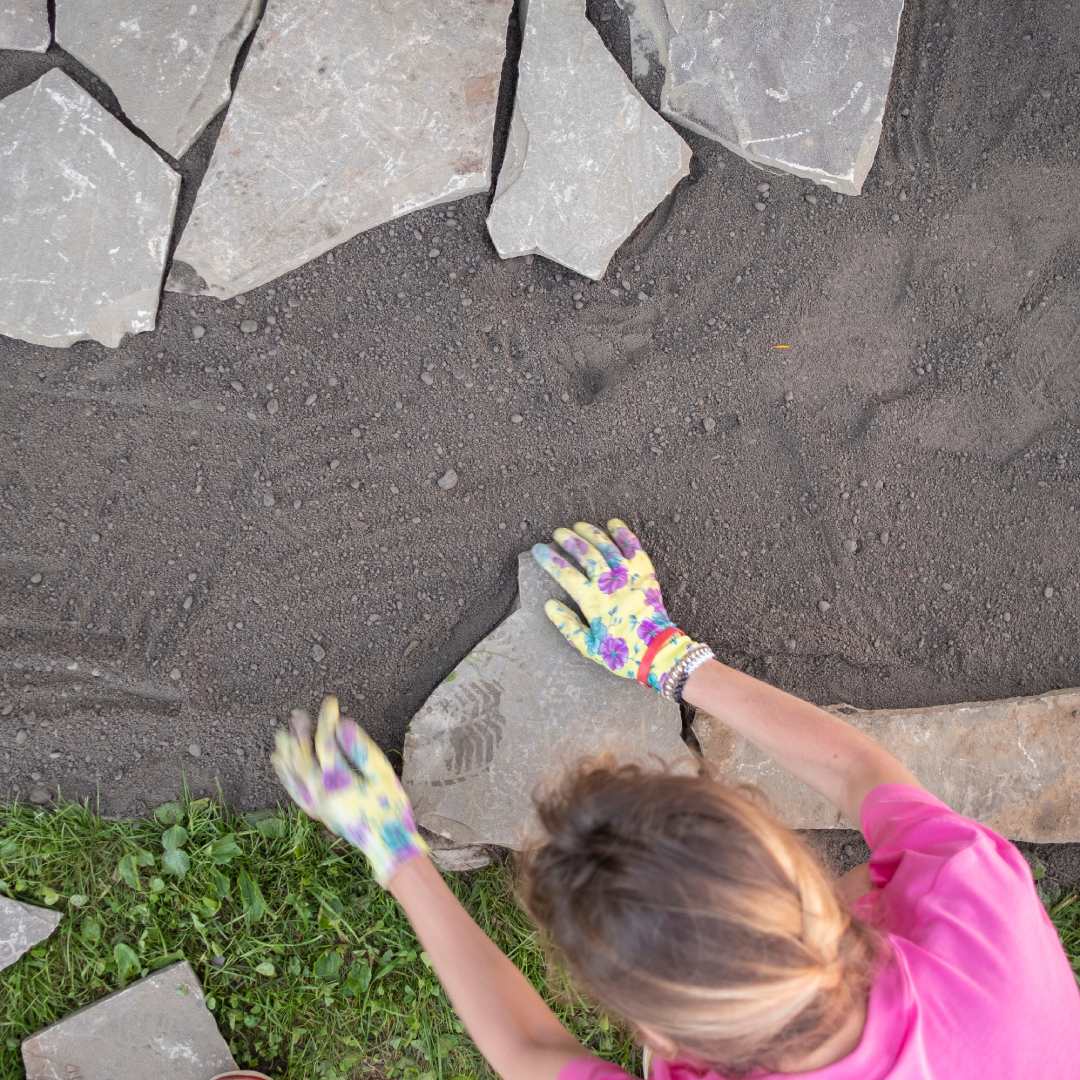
(926, 412)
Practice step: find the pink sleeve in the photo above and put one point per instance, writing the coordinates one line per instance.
(934, 865)
(592, 1069)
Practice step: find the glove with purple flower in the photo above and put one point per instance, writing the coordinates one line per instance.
(626, 628)
(348, 785)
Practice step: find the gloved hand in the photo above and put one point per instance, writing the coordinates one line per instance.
(349, 786)
(628, 629)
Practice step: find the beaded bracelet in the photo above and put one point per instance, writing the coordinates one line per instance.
(676, 680)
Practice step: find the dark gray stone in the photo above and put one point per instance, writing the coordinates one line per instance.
(587, 159)
(157, 1027)
(86, 211)
(22, 926)
(167, 61)
(346, 115)
(522, 706)
(799, 87)
(24, 24)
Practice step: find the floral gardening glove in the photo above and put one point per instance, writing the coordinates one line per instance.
(628, 629)
(349, 786)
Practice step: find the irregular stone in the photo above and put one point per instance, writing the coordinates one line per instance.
(86, 211)
(798, 87)
(168, 62)
(586, 159)
(519, 708)
(158, 1026)
(346, 115)
(24, 24)
(1013, 764)
(456, 860)
(650, 32)
(22, 926)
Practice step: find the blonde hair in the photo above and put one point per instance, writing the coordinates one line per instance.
(683, 905)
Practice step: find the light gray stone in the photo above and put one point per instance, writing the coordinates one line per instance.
(167, 61)
(799, 87)
(157, 1027)
(587, 159)
(22, 926)
(86, 212)
(1013, 764)
(346, 115)
(520, 708)
(24, 24)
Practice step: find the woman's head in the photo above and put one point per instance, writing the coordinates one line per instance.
(683, 906)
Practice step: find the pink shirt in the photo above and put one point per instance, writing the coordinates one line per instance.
(978, 987)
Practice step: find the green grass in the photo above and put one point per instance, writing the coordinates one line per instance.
(309, 967)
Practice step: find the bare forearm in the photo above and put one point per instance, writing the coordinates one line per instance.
(820, 749)
(509, 1022)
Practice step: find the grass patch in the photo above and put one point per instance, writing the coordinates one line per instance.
(310, 969)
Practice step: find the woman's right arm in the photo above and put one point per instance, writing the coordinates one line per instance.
(835, 759)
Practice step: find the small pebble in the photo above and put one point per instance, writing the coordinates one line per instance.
(448, 480)
(39, 796)
(427, 378)
(759, 206)
(188, 601)
(1048, 592)
(35, 579)
(318, 653)
(20, 737)
(516, 418)
(811, 199)
(198, 331)
(709, 424)
(248, 326)
(272, 406)
(884, 538)
(823, 606)
(764, 189)
(175, 674)
(851, 546)
(194, 749)
(434, 253)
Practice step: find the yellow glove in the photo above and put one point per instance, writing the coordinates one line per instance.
(628, 629)
(349, 786)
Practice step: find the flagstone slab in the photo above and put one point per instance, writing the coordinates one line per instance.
(520, 708)
(86, 213)
(167, 61)
(24, 24)
(157, 1027)
(799, 87)
(346, 115)
(587, 159)
(1013, 764)
(22, 926)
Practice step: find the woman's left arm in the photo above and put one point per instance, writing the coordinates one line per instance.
(517, 1033)
(340, 777)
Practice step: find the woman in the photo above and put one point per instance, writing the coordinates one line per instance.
(684, 907)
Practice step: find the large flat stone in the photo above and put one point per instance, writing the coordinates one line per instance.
(1013, 764)
(517, 710)
(157, 1027)
(167, 61)
(22, 926)
(86, 212)
(587, 159)
(24, 24)
(346, 115)
(794, 86)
